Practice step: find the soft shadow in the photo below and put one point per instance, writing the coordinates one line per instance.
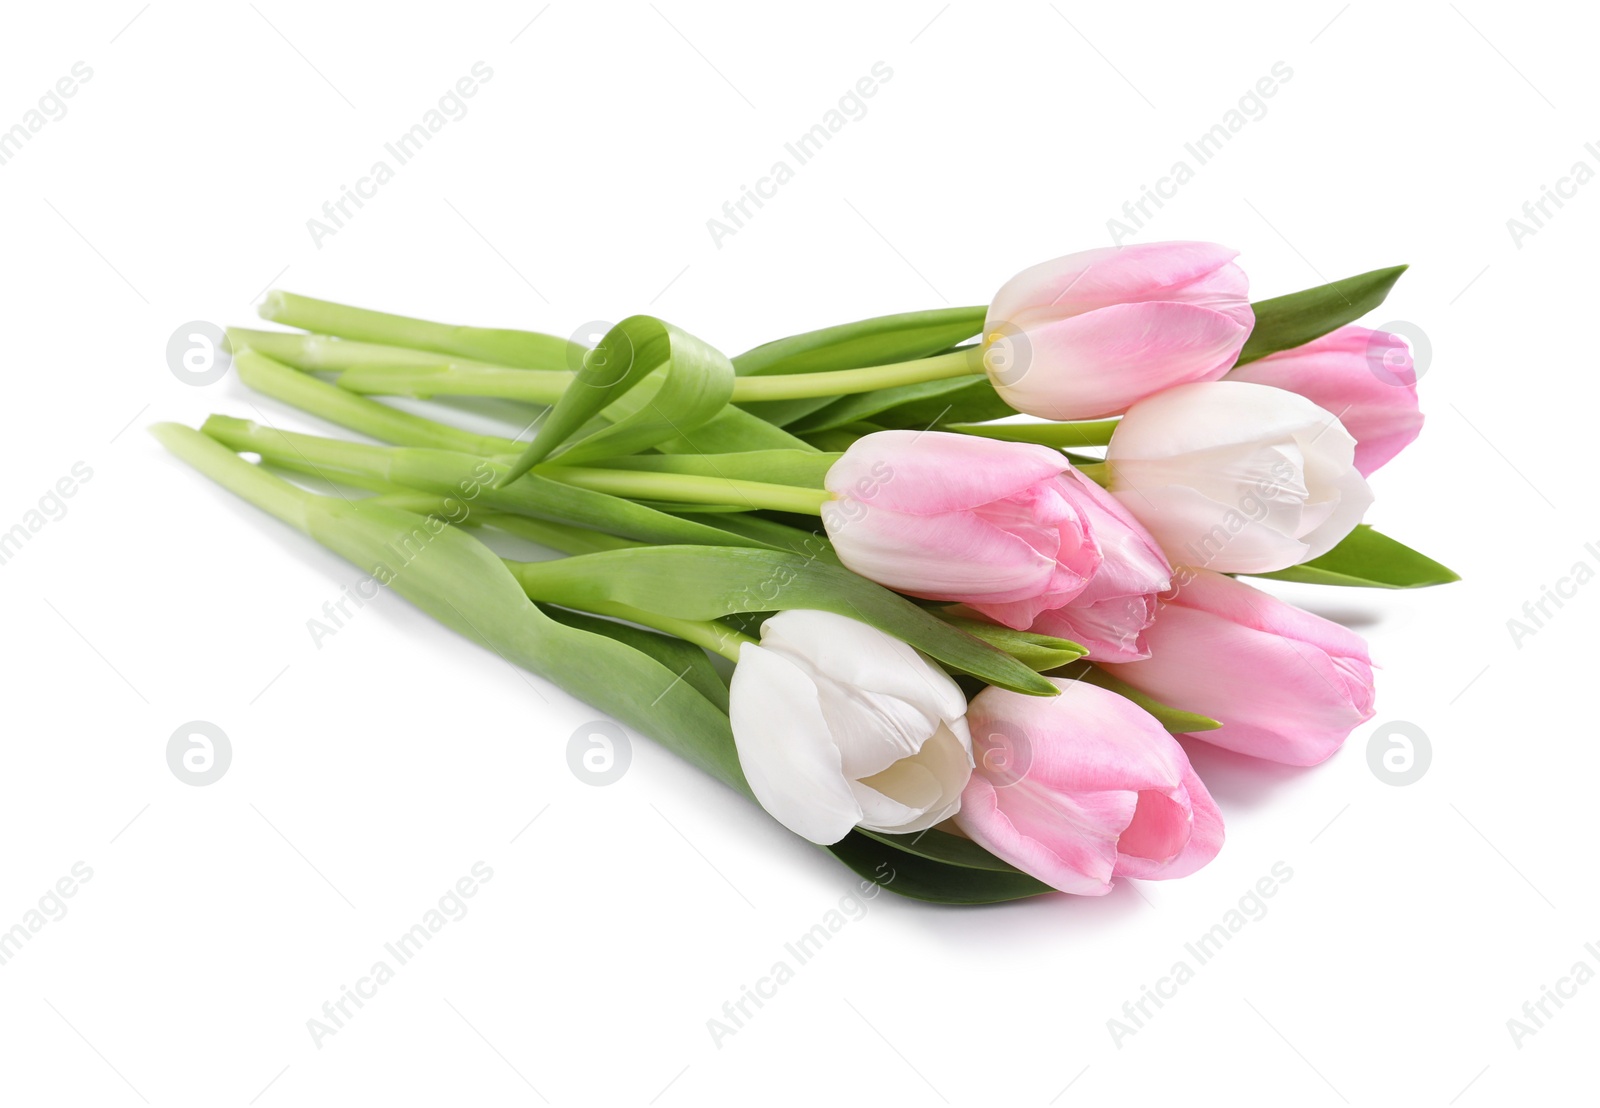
(1350, 617)
(1238, 780)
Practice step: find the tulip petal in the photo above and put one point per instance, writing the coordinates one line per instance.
(1098, 364)
(1364, 377)
(1204, 840)
(790, 762)
(1286, 685)
(1095, 278)
(928, 473)
(1070, 855)
(956, 556)
(881, 700)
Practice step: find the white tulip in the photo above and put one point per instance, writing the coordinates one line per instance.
(839, 724)
(1237, 477)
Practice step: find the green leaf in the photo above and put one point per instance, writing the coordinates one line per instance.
(806, 468)
(464, 585)
(680, 657)
(1096, 432)
(967, 399)
(878, 341)
(1370, 559)
(958, 877)
(768, 532)
(733, 430)
(1036, 651)
(1175, 720)
(461, 583)
(703, 583)
(690, 382)
(1285, 322)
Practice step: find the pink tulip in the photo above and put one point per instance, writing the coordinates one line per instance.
(1286, 685)
(1362, 376)
(1110, 615)
(1079, 788)
(1003, 527)
(1086, 336)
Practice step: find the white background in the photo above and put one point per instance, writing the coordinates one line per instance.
(371, 773)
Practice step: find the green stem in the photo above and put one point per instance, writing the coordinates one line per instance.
(359, 414)
(524, 349)
(1095, 432)
(532, 386)
(249, 482)
(799, 386)
(690, 488)
(395, 371)
(367, 367)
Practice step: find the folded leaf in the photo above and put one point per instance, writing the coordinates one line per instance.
(689, 382)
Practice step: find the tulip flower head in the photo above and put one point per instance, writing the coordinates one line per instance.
(1006, 528)
(1286, 685)
(839, 724)
(1109, 616)
(1237, 477)
(1364, 377)
(1082, 787)
(1088, 335)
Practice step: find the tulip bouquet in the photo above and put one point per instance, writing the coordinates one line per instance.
(848, 575)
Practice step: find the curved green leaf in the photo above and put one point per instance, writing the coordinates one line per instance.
(1176, 720)
(968, 399)
(701, 583)
(1285, 322)
(683, 658)
(1036, 651)
(922, 876)
(1367, 558)
(878, 341)
(686, 382)
(467, 587)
